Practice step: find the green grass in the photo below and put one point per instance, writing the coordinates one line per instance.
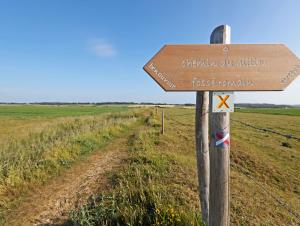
(273, 111)
(26, 119)
(157, 184)
(148, 190)
(50, 111)
(33, 159)
(160, 176)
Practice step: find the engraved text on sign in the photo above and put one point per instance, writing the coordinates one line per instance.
(223, 67)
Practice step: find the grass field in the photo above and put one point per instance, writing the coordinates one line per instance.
(33, 148)
(272, 111)
(17, 121)
(51, 111)
(157, 184)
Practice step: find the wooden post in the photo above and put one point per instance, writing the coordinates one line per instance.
(219, 152)
(226, 68)
(202, 150)
(162, 122)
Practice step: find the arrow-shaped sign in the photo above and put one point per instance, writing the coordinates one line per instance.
(224, 67)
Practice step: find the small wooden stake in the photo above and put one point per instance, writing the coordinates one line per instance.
(219, 152)
(202, 150)
(162, 122)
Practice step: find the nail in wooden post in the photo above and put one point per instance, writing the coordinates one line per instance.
(219, 151)
(202, 150)
(162, 122)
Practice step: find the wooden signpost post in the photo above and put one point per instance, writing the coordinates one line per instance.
(217, 67)
(219, 149)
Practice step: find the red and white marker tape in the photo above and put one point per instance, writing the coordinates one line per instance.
(222, 139)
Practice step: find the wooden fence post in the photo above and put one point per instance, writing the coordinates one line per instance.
(219, 151)
(202, 150)
(162, 122)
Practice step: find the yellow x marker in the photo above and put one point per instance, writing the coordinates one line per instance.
(223, 101)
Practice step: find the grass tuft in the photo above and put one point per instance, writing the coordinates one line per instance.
(143, 191)
(32, 160)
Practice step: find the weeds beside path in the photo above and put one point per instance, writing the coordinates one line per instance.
(154, 186)
(51, 203)
(31, 161)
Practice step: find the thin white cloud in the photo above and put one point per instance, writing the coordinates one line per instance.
(101, 48)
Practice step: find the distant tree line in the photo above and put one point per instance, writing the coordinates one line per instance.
(264, 105)
(238, 105)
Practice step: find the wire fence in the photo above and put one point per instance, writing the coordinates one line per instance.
(270, 194)
(267, 192)
(171, 117)
(288, 136)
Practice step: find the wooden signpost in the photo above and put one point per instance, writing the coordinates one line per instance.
(223, 67)
(220, 66)
(219, 151)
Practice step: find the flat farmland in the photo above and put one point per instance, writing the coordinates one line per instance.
(51, 111)
(272, 111)
(19, 120)
(139, 176)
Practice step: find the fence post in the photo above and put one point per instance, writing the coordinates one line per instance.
(162, 122)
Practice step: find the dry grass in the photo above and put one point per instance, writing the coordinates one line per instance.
(31, 158)
(265, 178)
(158, 183)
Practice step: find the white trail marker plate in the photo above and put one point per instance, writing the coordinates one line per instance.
(223, 102)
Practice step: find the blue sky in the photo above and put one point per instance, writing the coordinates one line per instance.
(72, 50)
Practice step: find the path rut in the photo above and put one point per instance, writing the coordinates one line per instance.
(50, 204)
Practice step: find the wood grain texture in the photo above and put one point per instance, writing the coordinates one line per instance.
(219, 154)
(224, 67)
(202, 151)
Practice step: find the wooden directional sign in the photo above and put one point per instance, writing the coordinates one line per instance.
(224, 67)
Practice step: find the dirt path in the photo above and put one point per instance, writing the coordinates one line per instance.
(50, 204)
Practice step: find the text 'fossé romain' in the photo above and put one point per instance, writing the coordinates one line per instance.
(161, 75)
(207, 63)
(221, 83)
